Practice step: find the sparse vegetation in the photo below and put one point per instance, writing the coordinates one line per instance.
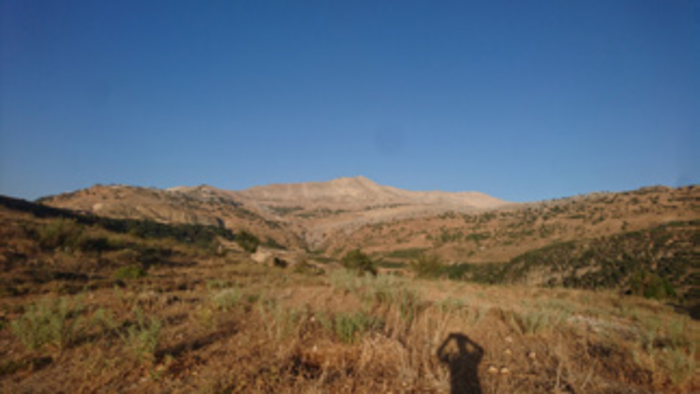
(626, 262)
(247, 241)
(130, 272)
(427, 266)
(56, 322)
(158, 313)
(227, 299)
(350, 327)
(650, 285)
(66, 234)
(142, 337)
(406, 254)
(359, 262)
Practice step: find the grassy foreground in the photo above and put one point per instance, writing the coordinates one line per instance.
(84, 309)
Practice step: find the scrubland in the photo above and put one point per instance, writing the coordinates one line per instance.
(86, 309)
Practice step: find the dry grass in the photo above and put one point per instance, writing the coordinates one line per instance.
(198, 323)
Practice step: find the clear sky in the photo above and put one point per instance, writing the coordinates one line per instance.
(523, 100)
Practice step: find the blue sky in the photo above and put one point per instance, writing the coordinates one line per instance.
(523, 100)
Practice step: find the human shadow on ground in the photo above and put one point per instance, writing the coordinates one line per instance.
(463, 356)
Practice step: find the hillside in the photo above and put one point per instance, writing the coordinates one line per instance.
(200, 205)
(333, 217)
(328, 219)
(598, 241)
(294, 215)
(661, 262)
(499, 235)
(359, 193)
(89, 304)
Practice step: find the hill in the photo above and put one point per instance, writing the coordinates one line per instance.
(91, 304)
(294, 215)
(329, 219)
(497, 235)
(202, 205)
(333, 217)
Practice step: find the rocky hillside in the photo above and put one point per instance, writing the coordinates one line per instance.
(331, 218)
(201, 205)
(294, 215)
(89, 304)
(499, 235)
(360, 193)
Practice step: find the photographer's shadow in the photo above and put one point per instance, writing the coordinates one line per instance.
(463, 356)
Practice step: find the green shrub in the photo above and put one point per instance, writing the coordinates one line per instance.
(247, 241)
(133, 271)
(651, 285)
(49, 322)
(427, 266)
(393, 293)
(142, 337)
(409, 305)
(279, 321)
(679, 364)
(96, 244)
(66, 234)
(350, 327)
(359, 262)
(410, 253)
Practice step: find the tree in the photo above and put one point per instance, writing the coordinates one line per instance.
(427, 266)
(357, 261)
(247, 241)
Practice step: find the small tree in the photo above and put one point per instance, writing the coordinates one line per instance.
(65, 234)
(247, 241)
(427, 266)
(650, 285)
(357, 261)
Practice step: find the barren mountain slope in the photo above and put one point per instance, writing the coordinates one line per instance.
(358, 193)
(291, 214)
(333, 217)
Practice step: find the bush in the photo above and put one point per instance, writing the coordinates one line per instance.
(359, 262)
(350, 327)
(651, 285)
(66, 234)
(130, 272)
(427, 266)
(49, 322)
(247, 241)
(96, 244)
(142, 338)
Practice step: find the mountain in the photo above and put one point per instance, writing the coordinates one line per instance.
(503, 233)
(360, 192)
(201, 205)
(295, 215)
(331, 218)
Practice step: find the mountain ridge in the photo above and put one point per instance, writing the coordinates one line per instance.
(309, 211)
(355, 212)
(348, 190)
